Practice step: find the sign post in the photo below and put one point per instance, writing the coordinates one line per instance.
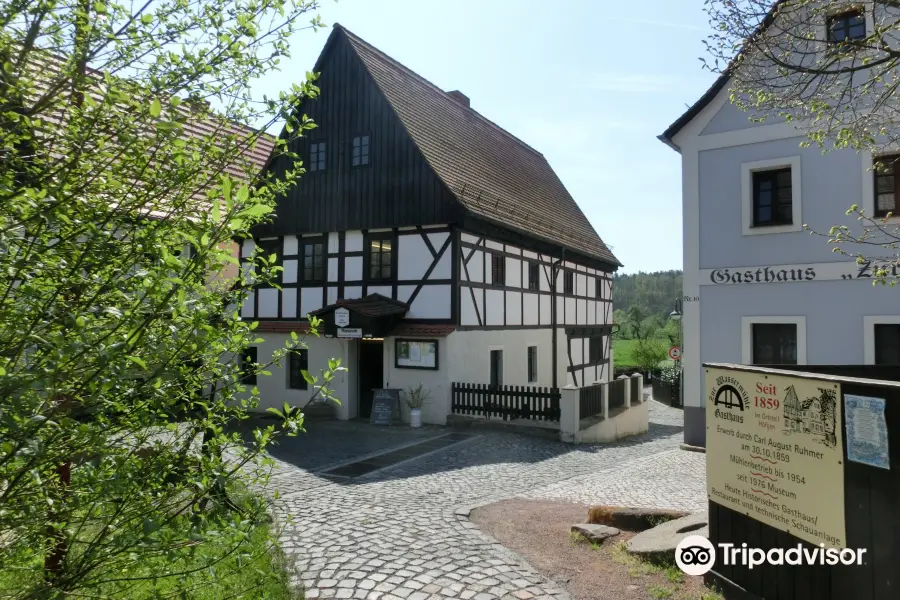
(341, 317)
(384, 403)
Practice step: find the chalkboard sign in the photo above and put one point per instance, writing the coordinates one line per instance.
(384, 402)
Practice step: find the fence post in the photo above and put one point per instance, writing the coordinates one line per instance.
(640, 388)
(569, 416)
(604, 400)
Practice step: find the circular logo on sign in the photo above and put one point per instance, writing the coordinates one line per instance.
(695, 555)
(675, 353)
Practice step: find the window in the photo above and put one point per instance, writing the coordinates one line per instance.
(846, 27)
(313, 261)
(498, 270)
(772, 198)
(886, 184)
(887, 344)
(568, 282)
(380, 257)
(533, 275)
(532, 364)
(595, 349)
(298, 361)
(598, 287)
(774, 344)
(496, 367)
(360, 150)
(317, 156)
(248, 366)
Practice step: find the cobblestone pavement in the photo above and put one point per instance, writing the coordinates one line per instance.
(396, 533)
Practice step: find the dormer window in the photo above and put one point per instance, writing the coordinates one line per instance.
(360, 150)
(317, 156)
(846, 27)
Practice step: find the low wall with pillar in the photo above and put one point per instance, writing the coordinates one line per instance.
(603, 412)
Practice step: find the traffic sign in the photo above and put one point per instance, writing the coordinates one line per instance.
(675, 353)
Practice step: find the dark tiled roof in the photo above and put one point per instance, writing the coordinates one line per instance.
(422, 330)
(373, 305)
(493, 174)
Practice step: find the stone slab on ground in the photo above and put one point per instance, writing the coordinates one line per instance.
(663, 539)
(595, 533)
(633, 519)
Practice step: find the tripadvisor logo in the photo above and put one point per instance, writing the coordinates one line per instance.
(729, 398)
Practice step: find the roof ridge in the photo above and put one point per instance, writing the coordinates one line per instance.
(438, 88)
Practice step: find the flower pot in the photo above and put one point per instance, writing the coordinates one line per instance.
(415, 417)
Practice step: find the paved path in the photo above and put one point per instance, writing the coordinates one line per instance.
(395, 533)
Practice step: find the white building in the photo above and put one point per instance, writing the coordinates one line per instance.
(457, 253)
(757, 288)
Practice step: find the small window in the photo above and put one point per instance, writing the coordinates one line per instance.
(360, 150)
(498, 270)
(313, 262)
(887, 344)
(380, 257)
(772, 197)
(317, 156)
(496, 368)
(774, 344)
(248, 366)
(595, 349)
(568, 282)
(886, 184)
(846, 27)
(533, 275)
(598, 287)
(532, 364)
(298, 362)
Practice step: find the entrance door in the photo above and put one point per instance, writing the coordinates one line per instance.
(371, 373)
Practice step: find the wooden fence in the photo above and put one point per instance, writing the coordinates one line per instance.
(505, 401)
(590, 401)
(618, 393)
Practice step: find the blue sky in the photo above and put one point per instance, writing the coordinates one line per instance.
(588, 85)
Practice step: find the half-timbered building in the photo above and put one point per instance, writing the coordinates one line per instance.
(436, 247)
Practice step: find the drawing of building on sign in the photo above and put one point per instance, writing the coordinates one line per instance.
(814, 416)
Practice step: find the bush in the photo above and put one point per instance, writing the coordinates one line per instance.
(648, 354)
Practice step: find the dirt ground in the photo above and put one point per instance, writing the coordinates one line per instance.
(540, 531)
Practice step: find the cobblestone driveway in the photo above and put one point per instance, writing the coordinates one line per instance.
(396, 533)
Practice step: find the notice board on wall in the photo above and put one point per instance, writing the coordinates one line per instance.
(774, 451)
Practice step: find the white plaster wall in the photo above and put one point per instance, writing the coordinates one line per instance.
(310, 300)
(468, 355)
(433, 302)
(289, 303)
(353, 268)
(413, 257)
(437, 382)
(273, 389)
(494, 307)
(353, 241)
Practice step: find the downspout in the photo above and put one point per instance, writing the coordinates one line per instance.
(553, 278)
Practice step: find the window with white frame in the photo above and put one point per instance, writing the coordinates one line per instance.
(771, 199)
(773, 340)
(882, 340)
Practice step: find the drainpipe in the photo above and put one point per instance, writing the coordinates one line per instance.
(553, 277)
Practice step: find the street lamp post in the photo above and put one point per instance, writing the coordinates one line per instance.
(676, 315)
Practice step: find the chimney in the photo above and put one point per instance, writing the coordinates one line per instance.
(459, 97)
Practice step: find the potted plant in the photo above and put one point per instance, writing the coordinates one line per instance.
(415, 400)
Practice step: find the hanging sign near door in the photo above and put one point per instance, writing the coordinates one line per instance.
(341, 317)
(384, 403)
(349, 332)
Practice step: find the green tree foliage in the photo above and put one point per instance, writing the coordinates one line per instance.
(648, 353)
(645, 295)
(119, 204)
(839, 87)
